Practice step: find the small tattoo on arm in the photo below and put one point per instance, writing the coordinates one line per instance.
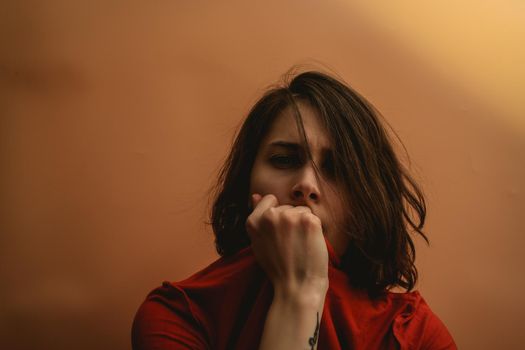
(313, 340)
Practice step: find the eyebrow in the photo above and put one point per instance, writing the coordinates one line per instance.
(293, 146)
(289, 145)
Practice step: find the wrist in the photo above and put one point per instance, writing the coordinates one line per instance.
(303, 295)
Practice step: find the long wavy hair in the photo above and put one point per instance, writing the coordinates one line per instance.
(384, 205)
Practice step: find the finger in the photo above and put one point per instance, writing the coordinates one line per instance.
(256, 198)
(266, 202)
(283, 207)
(301, 209)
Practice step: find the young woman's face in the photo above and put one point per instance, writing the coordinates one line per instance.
(282, 168)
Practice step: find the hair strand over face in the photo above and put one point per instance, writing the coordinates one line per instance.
(383, 203)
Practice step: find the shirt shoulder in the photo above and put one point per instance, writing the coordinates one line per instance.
(418, 327)
(189, 314)
(165, 320)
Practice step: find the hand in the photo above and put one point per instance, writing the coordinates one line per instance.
(289, 245)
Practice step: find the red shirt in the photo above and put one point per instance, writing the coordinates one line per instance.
(224, 306)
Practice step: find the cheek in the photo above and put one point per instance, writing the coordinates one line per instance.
(337, 208)
(261, 183)
(258, 184)
(264, 181)
(255, 186)
(254, 178)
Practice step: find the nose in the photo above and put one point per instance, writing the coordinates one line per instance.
(306, 187)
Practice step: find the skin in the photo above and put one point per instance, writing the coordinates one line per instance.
(293, 182)
(294, 210)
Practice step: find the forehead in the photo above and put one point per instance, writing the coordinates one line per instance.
(284, 128)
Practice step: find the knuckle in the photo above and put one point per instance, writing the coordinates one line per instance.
(250, 225)
(271, 200)
(268, 215)
(310, 221)
(272, 197)
(305, 208)
(269, 218)
(287, 218)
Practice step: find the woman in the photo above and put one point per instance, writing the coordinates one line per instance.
(312, 215)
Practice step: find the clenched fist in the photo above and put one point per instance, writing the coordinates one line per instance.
(289, 245)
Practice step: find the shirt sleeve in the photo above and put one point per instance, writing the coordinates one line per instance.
(437, 336)
(421, 329)
(166, 322)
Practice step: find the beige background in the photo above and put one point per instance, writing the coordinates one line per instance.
(115, 115)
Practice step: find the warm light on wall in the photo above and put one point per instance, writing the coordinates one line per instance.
(477, 45)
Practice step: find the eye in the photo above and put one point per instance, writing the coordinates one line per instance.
(285, 161)
(328, 166)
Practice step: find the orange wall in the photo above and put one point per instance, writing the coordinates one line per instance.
(114, 117)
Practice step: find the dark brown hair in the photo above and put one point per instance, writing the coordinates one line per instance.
(383, 203)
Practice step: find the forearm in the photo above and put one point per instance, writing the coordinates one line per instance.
(293, 321)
